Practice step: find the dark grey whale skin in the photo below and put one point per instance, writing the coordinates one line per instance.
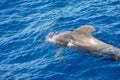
(105, 51)
(79, 39)
(111, 52)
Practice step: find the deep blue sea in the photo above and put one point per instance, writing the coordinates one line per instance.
(25, 55)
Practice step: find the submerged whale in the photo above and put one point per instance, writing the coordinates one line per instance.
(81, 39)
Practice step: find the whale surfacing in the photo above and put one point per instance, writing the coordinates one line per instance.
(81, 39)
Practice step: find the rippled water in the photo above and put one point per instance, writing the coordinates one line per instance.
(25, 55)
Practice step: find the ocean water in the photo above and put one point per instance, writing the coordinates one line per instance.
(25, 55)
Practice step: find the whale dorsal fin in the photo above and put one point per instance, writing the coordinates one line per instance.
(85, 30)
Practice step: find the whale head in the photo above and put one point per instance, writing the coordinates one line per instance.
(59, 38)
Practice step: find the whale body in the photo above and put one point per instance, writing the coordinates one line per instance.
(81, 39)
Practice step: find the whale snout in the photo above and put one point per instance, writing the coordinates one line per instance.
(51, 37)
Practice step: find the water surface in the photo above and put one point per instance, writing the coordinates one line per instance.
(25, 55)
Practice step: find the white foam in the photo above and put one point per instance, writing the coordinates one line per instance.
(70, 44)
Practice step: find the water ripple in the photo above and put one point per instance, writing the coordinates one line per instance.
(24, 54)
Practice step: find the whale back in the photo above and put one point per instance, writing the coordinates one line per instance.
(85, 30)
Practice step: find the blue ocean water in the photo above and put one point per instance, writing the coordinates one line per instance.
(25, 55)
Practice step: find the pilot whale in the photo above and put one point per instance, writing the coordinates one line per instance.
(82, 40)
